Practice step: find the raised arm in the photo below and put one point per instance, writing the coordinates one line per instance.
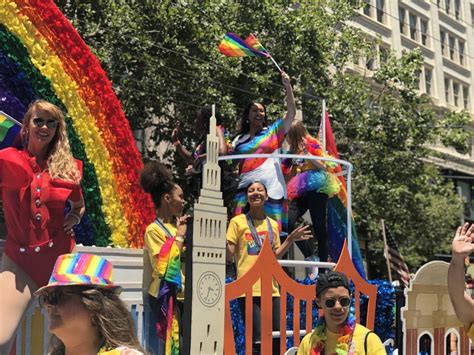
(462, 247)
(290, 101)
(182, 151)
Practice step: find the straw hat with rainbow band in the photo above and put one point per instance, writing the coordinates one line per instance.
(81, 270)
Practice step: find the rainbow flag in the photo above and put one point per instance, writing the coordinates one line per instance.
(169, 270)
(337, 212)
(9, 130)
(233, 46)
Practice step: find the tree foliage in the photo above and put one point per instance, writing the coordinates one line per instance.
(163, 61)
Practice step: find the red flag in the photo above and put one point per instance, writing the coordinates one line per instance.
(331, 147)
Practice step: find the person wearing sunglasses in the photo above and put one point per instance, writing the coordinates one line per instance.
(36, 182)
(337, 330)
(85, 313)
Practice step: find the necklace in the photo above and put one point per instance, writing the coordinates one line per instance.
(253, 230)
(344, 345)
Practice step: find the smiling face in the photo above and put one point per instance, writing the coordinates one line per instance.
(335, 316)
(40, 134)
(256, 116)
(256, 195)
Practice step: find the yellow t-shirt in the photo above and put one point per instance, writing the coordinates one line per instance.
(155, 237)
(246, 250)
(470, 333)
(374, 344)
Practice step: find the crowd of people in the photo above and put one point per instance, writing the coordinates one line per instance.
(86, 315)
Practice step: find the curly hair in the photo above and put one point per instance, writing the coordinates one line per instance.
(109, 315)
(60, 162)
(156, 180)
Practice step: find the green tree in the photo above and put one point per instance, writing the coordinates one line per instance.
(162, 59)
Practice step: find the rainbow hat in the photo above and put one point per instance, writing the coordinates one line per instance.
(81, 270)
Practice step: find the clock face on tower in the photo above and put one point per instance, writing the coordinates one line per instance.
(209, 288)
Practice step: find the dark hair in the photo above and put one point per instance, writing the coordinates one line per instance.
(244, 123)
(206, 112)
(156, 180)
(247, 205)
(331, 279)
(109, 315)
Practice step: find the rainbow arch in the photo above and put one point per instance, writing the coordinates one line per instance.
(43, 56)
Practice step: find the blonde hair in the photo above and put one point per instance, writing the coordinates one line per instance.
(296, 136)
(60, 162)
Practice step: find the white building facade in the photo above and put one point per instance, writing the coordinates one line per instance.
(443, 30)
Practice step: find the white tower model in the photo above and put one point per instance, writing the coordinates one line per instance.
(208, 256)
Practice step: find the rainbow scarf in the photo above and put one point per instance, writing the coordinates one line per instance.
(169, 270)
(233, 46)
(265, 142)
(344, 346)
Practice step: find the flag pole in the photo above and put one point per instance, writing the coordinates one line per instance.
(10, 118)
(323, 126)
(385, 251)
(276, 64)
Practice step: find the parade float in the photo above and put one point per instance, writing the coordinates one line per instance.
(42, 56)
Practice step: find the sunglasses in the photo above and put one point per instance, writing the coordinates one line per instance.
(55, 297)
(39, 122)
(331, 302)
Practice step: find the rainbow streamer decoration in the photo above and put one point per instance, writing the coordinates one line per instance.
(233, 46)
(42, 56)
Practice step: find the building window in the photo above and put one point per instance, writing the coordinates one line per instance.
(412, 26)
(428, 80)
(447, 5)
(367, 8)
(456, 94)
(465, 97)
(451, 43)
(443, 42)
(424, 32)
(457, 9)
(380, 4)
(447, 90)
(384, 54)
(461, 52)
(472, 15)
(403, 24)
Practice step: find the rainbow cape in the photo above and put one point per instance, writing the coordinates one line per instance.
(42, 56)
(337, 212)
(233, 46)
(169, 270)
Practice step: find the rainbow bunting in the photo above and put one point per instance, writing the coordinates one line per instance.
(233, 46)
(42, 56)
